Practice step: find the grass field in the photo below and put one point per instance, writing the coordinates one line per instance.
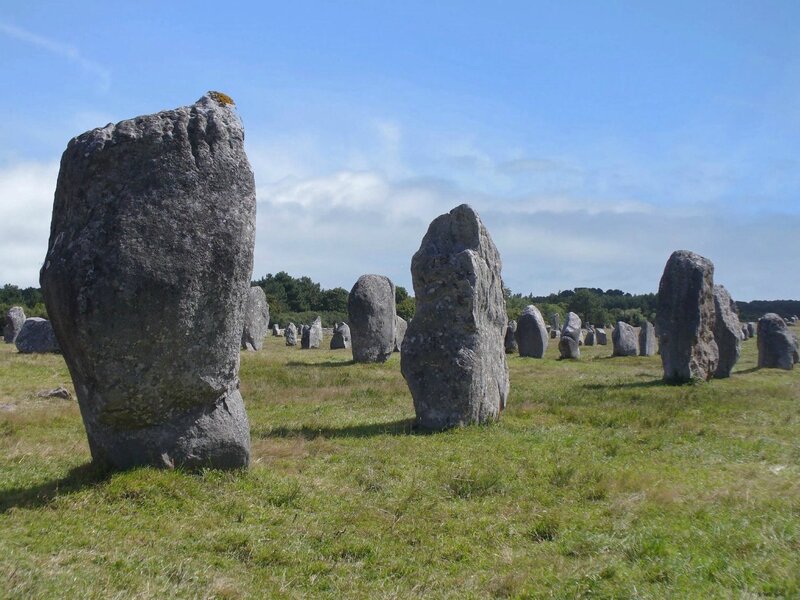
(599, 481)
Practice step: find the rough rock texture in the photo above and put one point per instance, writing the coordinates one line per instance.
(510, 340)
(776, 344)
(685, 318)
(400, 328)
(647, 339)
(15, 318)
(555, 322)
(146, 279)
(256, 319)
(591, 337)
(457, 373)
(37, 337)
(312, 335)
(341, 336)
(601, 336)
(290, 334)
(531, 333)
(371, 313)
(624, 340)
(569, 343)
(727, 331)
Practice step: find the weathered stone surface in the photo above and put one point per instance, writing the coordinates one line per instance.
(36, 337)
(582, 336)
(751, 329)
(624, 340)
(290, 334)
(555, 334)
(457, 373)
(569, 343)
(727, 331)
(256, 319)
(745, 332)
(685, 318)
(145, 280)
(311, 335)
(371, 313)
(59, 392)
(400, 328)
(15, 318)
(591, 337)
(276, 330)
(341, 336)
(531, 333)
(647, 339)
(776, 344)
(555, 322)
(510, 340)
(601, 336)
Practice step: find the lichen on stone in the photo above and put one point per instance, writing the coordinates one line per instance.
(221, 98)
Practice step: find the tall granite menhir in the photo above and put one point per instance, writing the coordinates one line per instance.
(453, 357)
(145, 280)
(371, 313)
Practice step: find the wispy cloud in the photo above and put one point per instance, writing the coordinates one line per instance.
(69, 52)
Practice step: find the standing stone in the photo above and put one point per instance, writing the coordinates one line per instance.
(457, 373)
(624, 340)
(569, 343)
(256, 319)
(647, 339)
(555, 334)
(371, 313)
(36, 337)
(685, 318)
(601, 336)
(745, 332)
(400, 328)
(555, 322)
(751, 329)
(146, 279)
(727, 331)
(312, 335)
(591, 337)
(510, 341)
(276, 330)
(531, 333)
(15, 318)
(290, 334)
(341, 336)
(776, 345)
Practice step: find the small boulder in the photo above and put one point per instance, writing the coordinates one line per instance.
(341, 336)
(776, 344)
(59, 392)
(601, 336)
(37, 337)
(290, 334)
(531, 333)
(624, 339)
(15, 318)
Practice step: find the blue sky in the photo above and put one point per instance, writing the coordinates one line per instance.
(593, 137)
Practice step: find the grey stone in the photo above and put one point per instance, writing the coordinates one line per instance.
(146, 279)
(601, 336)
(647, 339)
(776, 344)
(751, 329)
(341, 337)
(555, 334)
(624, 340)
(256, 319)
(59, 392)
(531, 333)
(685, 318)
(582, 336)
(37, 337)
(591, 337)
(290, 334)
(457, 373)
(569, 342)
(555, 321)
(745, 332)
(400, 328)
(276, 330)
(727, 331)
(312, 335)
(371, 314)
(15, 318)
(510, 340)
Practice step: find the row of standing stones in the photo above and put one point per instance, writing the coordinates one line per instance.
(146, 281)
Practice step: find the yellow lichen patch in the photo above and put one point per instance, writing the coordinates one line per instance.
(221, 98)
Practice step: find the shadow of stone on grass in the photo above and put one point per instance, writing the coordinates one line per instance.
(309, 432)
(78, 478)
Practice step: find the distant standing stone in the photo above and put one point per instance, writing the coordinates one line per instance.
(751, 329)
(601, 336)
(290, 334)
(531, 333)
(591, 337)
(256, 319)
(510, 337)
(371, 313)
(276, 330)
(685, 318)
(569, 343)
(555, 334)
(647, 339)
(555, 322)
(401, 326)
(341, 336)
(453, 357)
(727, 331)
(145, 280)
(15, 318)
(36, 337)
(312, 335)
(776, 344)
(624, 339)
(745, 332)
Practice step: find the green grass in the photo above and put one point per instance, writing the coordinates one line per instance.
(599, 481)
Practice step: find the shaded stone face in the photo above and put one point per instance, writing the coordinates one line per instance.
(591, 338)
(510, 340)
(15, 318)
(751, 329)
(569, 342)
(727, 331)
(647, 339)
(256, 319)
(371, 314)
(341, 337)
(777, 347)
(453, 357)
(601, 336)
(290, 334)
(400, 328)
(312, 335)
(685, 318)
(145, 280)
(36, 337)
(531, 334)
(624, 340)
